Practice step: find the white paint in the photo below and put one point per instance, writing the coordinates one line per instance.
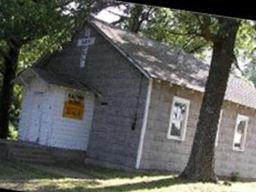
(71, 133)
(32, 107)
(144, 125)
(184, 127)
(219, 123)
(25, 114)
(84, 43)
(41, 118)
(35, 127)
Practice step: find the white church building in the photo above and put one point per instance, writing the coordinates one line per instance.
(53, 111)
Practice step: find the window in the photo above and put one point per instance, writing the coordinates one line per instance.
(217, 135)
(178, 118)
(240, 132)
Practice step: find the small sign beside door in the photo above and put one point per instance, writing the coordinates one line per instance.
(73, 106)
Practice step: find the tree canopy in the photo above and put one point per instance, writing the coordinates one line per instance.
(30, 28)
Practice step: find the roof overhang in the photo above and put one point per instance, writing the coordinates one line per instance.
(53, 78)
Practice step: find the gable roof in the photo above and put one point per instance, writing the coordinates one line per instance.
(157, 60)
(54, 78)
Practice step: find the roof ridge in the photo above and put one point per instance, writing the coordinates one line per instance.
(133, 33)
(178, 51)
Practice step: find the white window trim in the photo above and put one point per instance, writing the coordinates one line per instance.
(219, 123)
(180, 100)
(246, 118)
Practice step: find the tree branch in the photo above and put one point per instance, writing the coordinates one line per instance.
(237, 65)
(188, 42)
(204, 24)
(185, 34)
(196, 48)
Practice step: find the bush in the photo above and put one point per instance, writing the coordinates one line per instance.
(13, 133)
(235, 176)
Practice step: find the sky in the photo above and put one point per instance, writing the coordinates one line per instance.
(107, 14)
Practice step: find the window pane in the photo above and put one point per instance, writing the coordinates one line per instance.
(178, 118)
(240, 133)
(218, 129)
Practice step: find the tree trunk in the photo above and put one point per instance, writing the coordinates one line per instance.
(135, 20)
(10, 66)
(200, 166)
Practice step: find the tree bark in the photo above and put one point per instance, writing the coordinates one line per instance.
(200, 166)
(135, 20)
(9, 72)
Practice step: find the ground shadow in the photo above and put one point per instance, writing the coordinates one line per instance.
(98, 172)
(157, 184)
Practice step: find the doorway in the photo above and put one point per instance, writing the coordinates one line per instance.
(36, 117)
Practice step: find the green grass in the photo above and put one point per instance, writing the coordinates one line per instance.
(95, 179)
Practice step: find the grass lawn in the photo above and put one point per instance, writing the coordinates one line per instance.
(94, 179)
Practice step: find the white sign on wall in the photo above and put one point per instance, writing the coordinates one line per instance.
(84, 43)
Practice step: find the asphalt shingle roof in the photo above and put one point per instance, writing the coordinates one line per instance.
(161, 62)
(55, 78)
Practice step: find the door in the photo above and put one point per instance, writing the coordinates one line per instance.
(36, 117)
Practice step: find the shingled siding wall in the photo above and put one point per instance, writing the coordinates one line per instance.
(123, 89)
(166, 154)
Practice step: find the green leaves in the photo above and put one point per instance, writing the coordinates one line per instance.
(194, 33)
(26, 20)
(36, 27)
(180, 29)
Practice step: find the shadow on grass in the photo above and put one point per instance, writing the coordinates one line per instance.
(98, 172)
(19, 171)
(157, 184)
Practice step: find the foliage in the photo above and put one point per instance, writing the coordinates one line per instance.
(26, 20)
(183, 30)
(235, 176)
(37, 27)
(250, 72)
(15, 107)
(13, 135)
(178, 28)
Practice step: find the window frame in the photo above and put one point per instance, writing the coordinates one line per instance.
(183, 132)
(218, 129)
(239, 118)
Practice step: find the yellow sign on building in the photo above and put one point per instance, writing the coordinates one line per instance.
(73, 106)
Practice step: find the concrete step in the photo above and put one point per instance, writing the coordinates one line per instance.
(34, 160)
(30, 158)
(38, 156)
(34, 153)
(27, 146)
(30, 153)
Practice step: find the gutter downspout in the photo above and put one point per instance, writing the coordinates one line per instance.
(144, 124)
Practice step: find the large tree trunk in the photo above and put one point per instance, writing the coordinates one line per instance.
(10, 66)
(200, 166)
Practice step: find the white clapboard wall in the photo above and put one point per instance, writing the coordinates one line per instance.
(41, 119)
